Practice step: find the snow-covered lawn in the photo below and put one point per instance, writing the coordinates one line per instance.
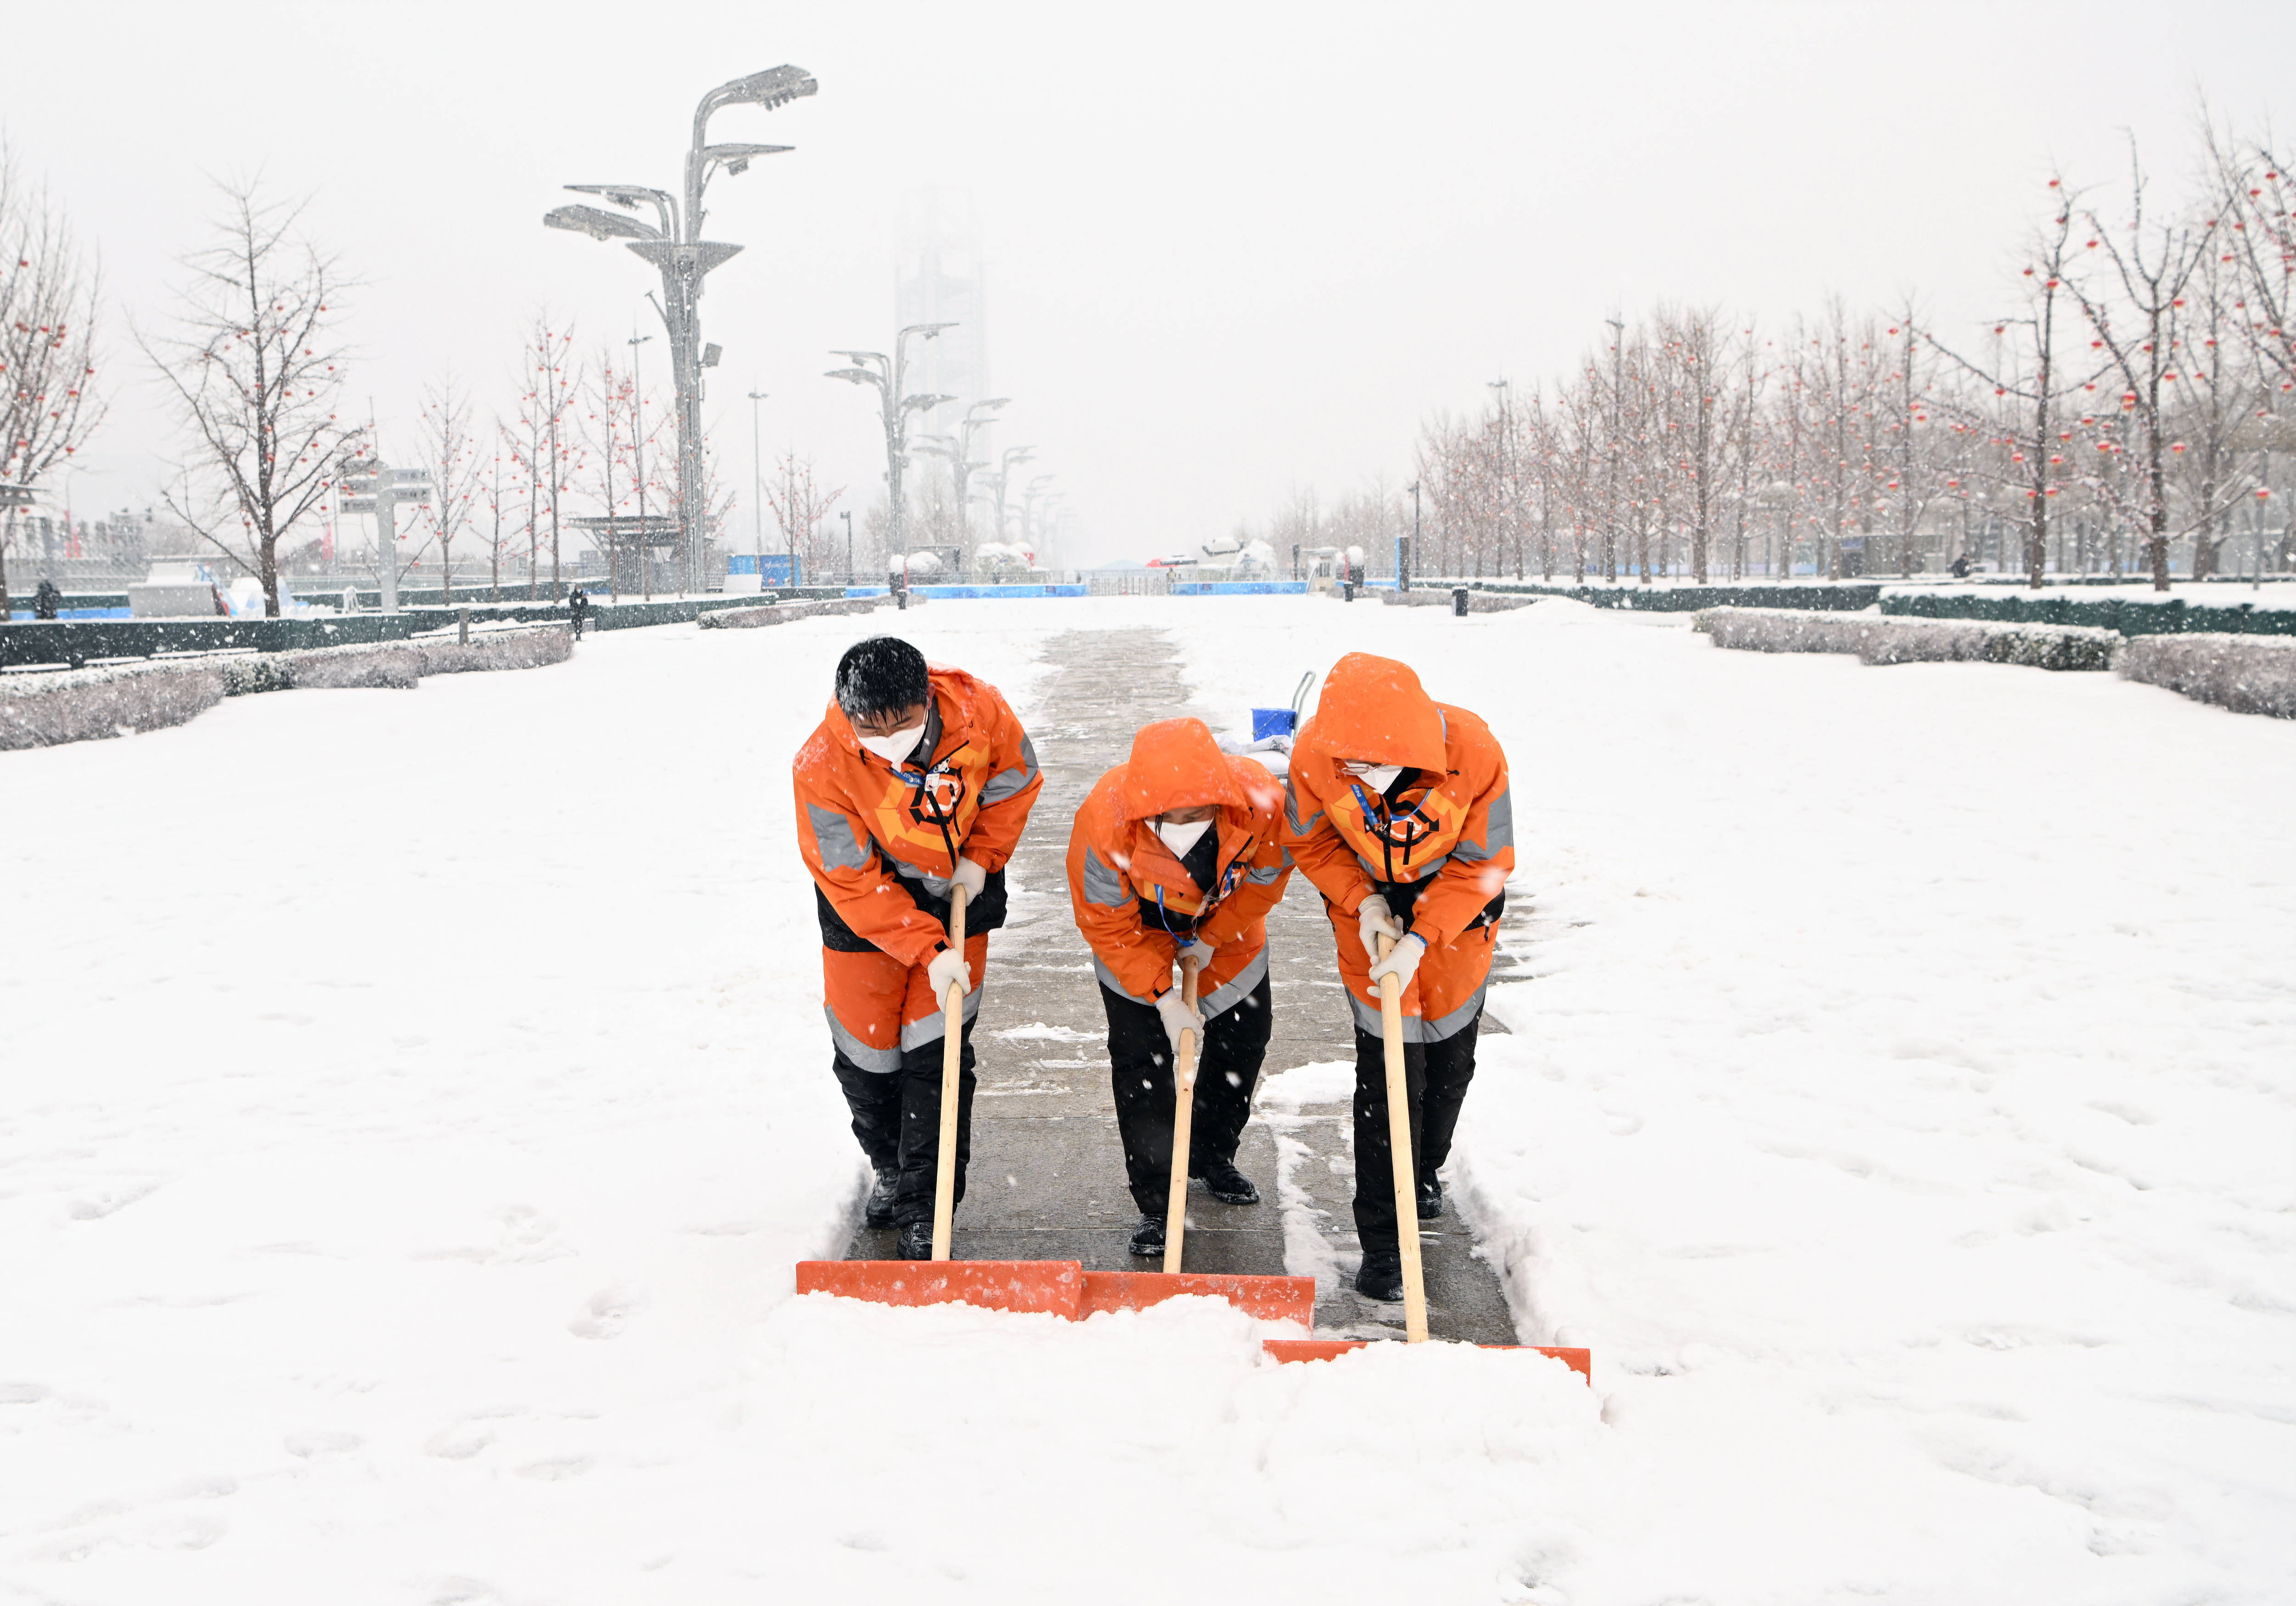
(415, 1101)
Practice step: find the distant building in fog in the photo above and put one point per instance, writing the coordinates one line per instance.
(938, 278)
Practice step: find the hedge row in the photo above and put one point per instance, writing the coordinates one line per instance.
(84, 705)
(781, 613)
(1833, 598)
(2124, 616)
(1885, 641)
(2236, 672)
(1477, 601)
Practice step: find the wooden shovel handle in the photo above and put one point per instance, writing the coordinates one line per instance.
(1183, 1118)
(1398, 1143)
(952, 1065)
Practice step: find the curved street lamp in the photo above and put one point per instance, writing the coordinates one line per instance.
(673, 243)
(890, 376)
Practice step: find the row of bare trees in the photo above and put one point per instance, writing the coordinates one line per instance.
(2133, 403)
(254, 360)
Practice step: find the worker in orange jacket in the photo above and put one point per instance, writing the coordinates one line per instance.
(1398, 811)
(1177, 857)
(917, 781)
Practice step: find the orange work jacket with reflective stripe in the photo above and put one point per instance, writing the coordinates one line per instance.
(881, 840)
(1448, 823)
(1130, 892)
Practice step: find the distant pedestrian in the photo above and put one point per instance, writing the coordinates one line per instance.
(46, 601)
(1961, 566)
(577, 607)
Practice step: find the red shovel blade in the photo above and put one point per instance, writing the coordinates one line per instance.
(1580, 1361)
(1267, 1298)
(1052, 1287)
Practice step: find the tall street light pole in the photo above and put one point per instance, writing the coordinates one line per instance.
(996, 481)
(847, 514)
(674, 246)
(890, 376)
(637, 453)
(1506, 468)
(959, 450)
(757, 495)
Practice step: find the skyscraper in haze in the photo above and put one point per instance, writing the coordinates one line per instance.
(938, 278)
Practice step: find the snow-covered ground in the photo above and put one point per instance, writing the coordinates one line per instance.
(415, 1101)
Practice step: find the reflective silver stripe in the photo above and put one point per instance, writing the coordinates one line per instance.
(1108, 979)
(1292, 811)
(1006, 783)
(884, 1061)
(1273, 873)
(1101, 885)
(933, 1028)
(1414, 1029)
(1498, 830)
(832, 833)
(937, 886)
(1229, 993)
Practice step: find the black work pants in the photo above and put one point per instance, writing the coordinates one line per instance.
(896, 1117)
(1437, 1075)
(1140, 1076)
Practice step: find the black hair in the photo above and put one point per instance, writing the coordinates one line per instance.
(883, 674)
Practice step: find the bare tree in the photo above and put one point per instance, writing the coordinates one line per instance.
(2146, 284)
(48, 297)
(2027, 368)
(451, 455)
(547, 447)
(256, 371)
(800, 507)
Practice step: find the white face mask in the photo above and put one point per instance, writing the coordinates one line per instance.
(1379, 777)
(1179, 838)
(894, 748)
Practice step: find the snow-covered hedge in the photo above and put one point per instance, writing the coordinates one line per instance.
(1902, 641)
(2247, 674)
(87, 705)
(1477, 601)
(525, 648)
(781, 613)
(82, 705)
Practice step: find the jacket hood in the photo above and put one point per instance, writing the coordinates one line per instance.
(1373, 709)
(1176, 764)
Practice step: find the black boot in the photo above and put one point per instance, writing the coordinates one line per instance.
(1227, 1184)
(1381, 1276)
(1148, 1237)
(1430, 1198)
(879, 1211)
(916, 1241)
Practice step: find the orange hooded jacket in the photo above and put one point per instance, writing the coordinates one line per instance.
(1451, 827)
(882, 842)
(1126, 884)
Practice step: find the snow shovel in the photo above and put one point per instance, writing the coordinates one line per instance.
(1406, 1211)
(1060, 1288)
(952, 1077)
(1184, 1116)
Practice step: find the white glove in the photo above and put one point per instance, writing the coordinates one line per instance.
(971, 877)
(1178, 1018)
(1373, 920)
(1196, 951)
(1402, 962)
(947, 970)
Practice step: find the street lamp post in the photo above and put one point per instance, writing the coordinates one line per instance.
(758, 495)
(637, 449)
(847, 514)
(684, 258)
(1506, 472)
(959, 449)
(890, 376)
(1409, 545)
(1028, 503)
(996, 481)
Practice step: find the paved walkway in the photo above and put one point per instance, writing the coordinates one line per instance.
(1048, 1176)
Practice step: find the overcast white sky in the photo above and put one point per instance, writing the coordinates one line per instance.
(1233, 248)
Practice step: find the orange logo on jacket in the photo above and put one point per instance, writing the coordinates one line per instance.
(911, 817)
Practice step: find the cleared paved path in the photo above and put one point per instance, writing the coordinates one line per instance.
(1048, 1176)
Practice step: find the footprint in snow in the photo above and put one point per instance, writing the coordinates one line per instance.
(605, 1315)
